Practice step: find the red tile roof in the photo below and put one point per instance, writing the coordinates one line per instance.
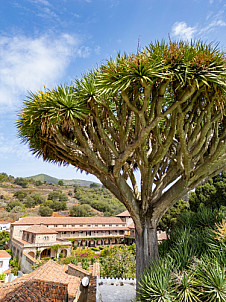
(68, 220)
(40, 229)
(50, 272)
(84, 229)
(4, 254)
(124, 214)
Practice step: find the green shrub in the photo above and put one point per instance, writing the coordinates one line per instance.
(156, 284)
(85, 264)
(192, 265)
(211, 281)
(93, 260)
(74, 261)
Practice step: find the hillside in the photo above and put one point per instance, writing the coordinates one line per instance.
(42, 195)
(53, 180)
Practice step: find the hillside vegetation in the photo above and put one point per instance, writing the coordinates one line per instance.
(53, 180)
(35, 196)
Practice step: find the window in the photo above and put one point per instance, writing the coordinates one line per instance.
(1, 263)
(46, 237)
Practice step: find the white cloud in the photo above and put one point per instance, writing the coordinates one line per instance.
(212, 26)
(29, 63)
(43, 2)
(182, 31)
(13, 148)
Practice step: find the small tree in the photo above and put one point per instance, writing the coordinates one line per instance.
(94, 185)
(45, 211)
(60, 183)
(159, 112)
(210, 194)
(21, 182)
(80, 210)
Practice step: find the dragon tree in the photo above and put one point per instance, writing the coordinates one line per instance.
(158, 114)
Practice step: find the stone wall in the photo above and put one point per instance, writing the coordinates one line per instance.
(92, 274)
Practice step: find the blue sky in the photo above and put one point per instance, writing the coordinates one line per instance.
(50, 42)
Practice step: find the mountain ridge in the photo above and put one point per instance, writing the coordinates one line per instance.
(50, 179)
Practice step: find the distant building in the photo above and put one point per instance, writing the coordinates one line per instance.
(4, 263)
(32, 238)
(5, 225)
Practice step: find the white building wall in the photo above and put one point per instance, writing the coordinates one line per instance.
(4, 226)
(4, 264)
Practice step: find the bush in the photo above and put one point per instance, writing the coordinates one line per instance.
(45, 211)
(80, 210)
(193, 261)
(12, 204)
(156, 283)
(74, 261)
(21, 182)
(20, 195)
(58, 205)
(118, 262)
(85, 264)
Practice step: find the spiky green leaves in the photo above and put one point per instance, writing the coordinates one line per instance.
(46, 112)
(180, 63)
(135, 89)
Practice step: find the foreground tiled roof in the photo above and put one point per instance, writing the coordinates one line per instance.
(68, 220)
(40, 229)
(4, 254)
(50, 278)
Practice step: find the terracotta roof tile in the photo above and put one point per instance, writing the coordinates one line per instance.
(40, 229)
(48, 272)
(68, 220)
(84, 229)
(124, 214)
(4, 254)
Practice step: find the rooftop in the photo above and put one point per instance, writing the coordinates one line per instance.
(118, 228)
(4, 254)
(50, 275)
(40, 229)
(68, 220)
(124, 214)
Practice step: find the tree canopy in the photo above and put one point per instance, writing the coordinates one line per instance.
(211, 194)
(159, 113)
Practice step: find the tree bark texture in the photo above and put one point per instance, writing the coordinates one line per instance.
(146, 247)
